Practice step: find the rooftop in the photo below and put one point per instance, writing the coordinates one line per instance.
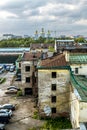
(66, 40)
(14, 49)
(28, 56)
(80, 58)
(54, 61)
(40, 46)
(80, 83)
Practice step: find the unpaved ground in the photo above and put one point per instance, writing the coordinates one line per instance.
(22, 116)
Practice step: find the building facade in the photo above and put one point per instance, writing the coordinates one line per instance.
(53, 87)
(29, 73)
(78, 104)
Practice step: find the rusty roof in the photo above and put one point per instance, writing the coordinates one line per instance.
(57, 60)
(34, 46)
(28, 56)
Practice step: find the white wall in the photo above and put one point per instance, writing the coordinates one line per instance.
(74, 110)
(83, 112)
(82, 69)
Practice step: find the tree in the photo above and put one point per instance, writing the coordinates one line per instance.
(80, 40)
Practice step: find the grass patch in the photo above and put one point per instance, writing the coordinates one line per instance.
(57, 123)
(36, 116)
(54, 124)
(19, 93)
(2, 80)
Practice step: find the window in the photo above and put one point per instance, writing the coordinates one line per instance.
(53, 87)
(27, 79)
(27, 68)
(76, 70)
(53, 99)
(35, 80)
(53, 74)
(53, 109)
(19, 64)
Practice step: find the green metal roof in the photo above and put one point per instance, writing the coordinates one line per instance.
(80, 83)
(54, 67)
(78, 58)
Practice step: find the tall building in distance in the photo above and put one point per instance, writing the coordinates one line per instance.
(36, 34)
(42, 33)
(48, 34)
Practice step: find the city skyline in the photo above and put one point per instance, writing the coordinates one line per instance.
(26, 16)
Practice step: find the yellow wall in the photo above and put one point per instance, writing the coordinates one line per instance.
(62, 92)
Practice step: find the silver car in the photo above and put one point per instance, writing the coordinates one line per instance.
(2, 126)
(6, 111)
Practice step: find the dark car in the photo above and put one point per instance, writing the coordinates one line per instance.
(6, 112)
(13, 87)
(8, 106)
(18, 79)
(11, 91)
(2, 126)
(4, 118)
(18, 75)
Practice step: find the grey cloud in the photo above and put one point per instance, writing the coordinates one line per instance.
(64, 18)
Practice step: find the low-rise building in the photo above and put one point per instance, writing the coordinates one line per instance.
(53, 86)
(41, 47)
(29, 72)
(78, 102)
(76, 57)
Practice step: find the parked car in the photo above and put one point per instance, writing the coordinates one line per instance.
(12, 68)
(18, 75)
(18, 79)
(13, 87)
(1, 69)
(11, 91)
(8, 106)
(6, 111)
(4, 119)
(7, 67)
(2, 126)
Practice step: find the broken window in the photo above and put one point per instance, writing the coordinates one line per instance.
(53, 74)
(27, 68)
(53, 87)
(53, 109)
(53, 99)
(76, 70)
(27, 79)
(19, 64)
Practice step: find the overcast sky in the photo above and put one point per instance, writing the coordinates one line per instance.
(21, 17)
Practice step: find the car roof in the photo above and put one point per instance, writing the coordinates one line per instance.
(7, 104)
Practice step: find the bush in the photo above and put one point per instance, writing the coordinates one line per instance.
(2, 80)
(19, 93)
(36, 116)
(57, 123)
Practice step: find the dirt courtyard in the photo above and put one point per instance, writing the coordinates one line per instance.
(22, 118)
